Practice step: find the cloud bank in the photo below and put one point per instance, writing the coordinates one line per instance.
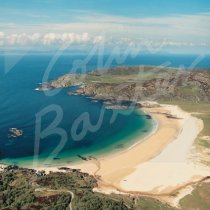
(181, 31)
(50, 39)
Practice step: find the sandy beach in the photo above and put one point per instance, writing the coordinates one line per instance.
(158, 165)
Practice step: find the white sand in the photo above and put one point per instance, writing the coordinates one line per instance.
(159, 164)
(172, 167)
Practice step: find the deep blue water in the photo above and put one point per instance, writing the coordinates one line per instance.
(19, 105)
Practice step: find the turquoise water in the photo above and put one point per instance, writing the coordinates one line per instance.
(19, 105)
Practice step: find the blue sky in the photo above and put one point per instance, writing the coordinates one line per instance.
(172, 25)
(41, 9)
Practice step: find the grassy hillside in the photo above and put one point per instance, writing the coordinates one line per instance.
(198, 199)
(26, 189)
(140, 83)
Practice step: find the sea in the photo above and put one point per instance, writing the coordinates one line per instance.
(58, 128)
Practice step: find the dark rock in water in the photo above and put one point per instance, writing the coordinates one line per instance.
(56, 158)
(119, 146)
(81, 157)
(72, 93)
(148, 117)
(14, 132)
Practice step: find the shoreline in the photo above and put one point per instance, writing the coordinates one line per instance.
(91, 166)
(136, 138)
(158, 164)
(127, 172)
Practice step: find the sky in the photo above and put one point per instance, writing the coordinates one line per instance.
(181, 26)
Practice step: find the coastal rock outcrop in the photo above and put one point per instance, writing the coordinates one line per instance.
(14, 132)
(133, 84)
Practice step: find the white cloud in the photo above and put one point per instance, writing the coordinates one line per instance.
(70, 38)
(49, 38)
(174, 31)
(54, 39)
(99, 39)
(1, 35)
(35, 37)
(45, 39)
(180, 26)
(1, 38)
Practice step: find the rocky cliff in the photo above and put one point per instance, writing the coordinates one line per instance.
(138, 83)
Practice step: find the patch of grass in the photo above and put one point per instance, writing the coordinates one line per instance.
(199, 199)
(188, 90)
(151, 204)
(202, 109)
(204, 143)
(189, 106)
(206, 120)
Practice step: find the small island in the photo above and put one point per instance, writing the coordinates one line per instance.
(15, 132)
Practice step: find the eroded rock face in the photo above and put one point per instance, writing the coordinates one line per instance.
(67, 80)
(106, 90)
(62, 82)
(187, 87)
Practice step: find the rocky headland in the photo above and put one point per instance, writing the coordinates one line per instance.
(138, 83)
